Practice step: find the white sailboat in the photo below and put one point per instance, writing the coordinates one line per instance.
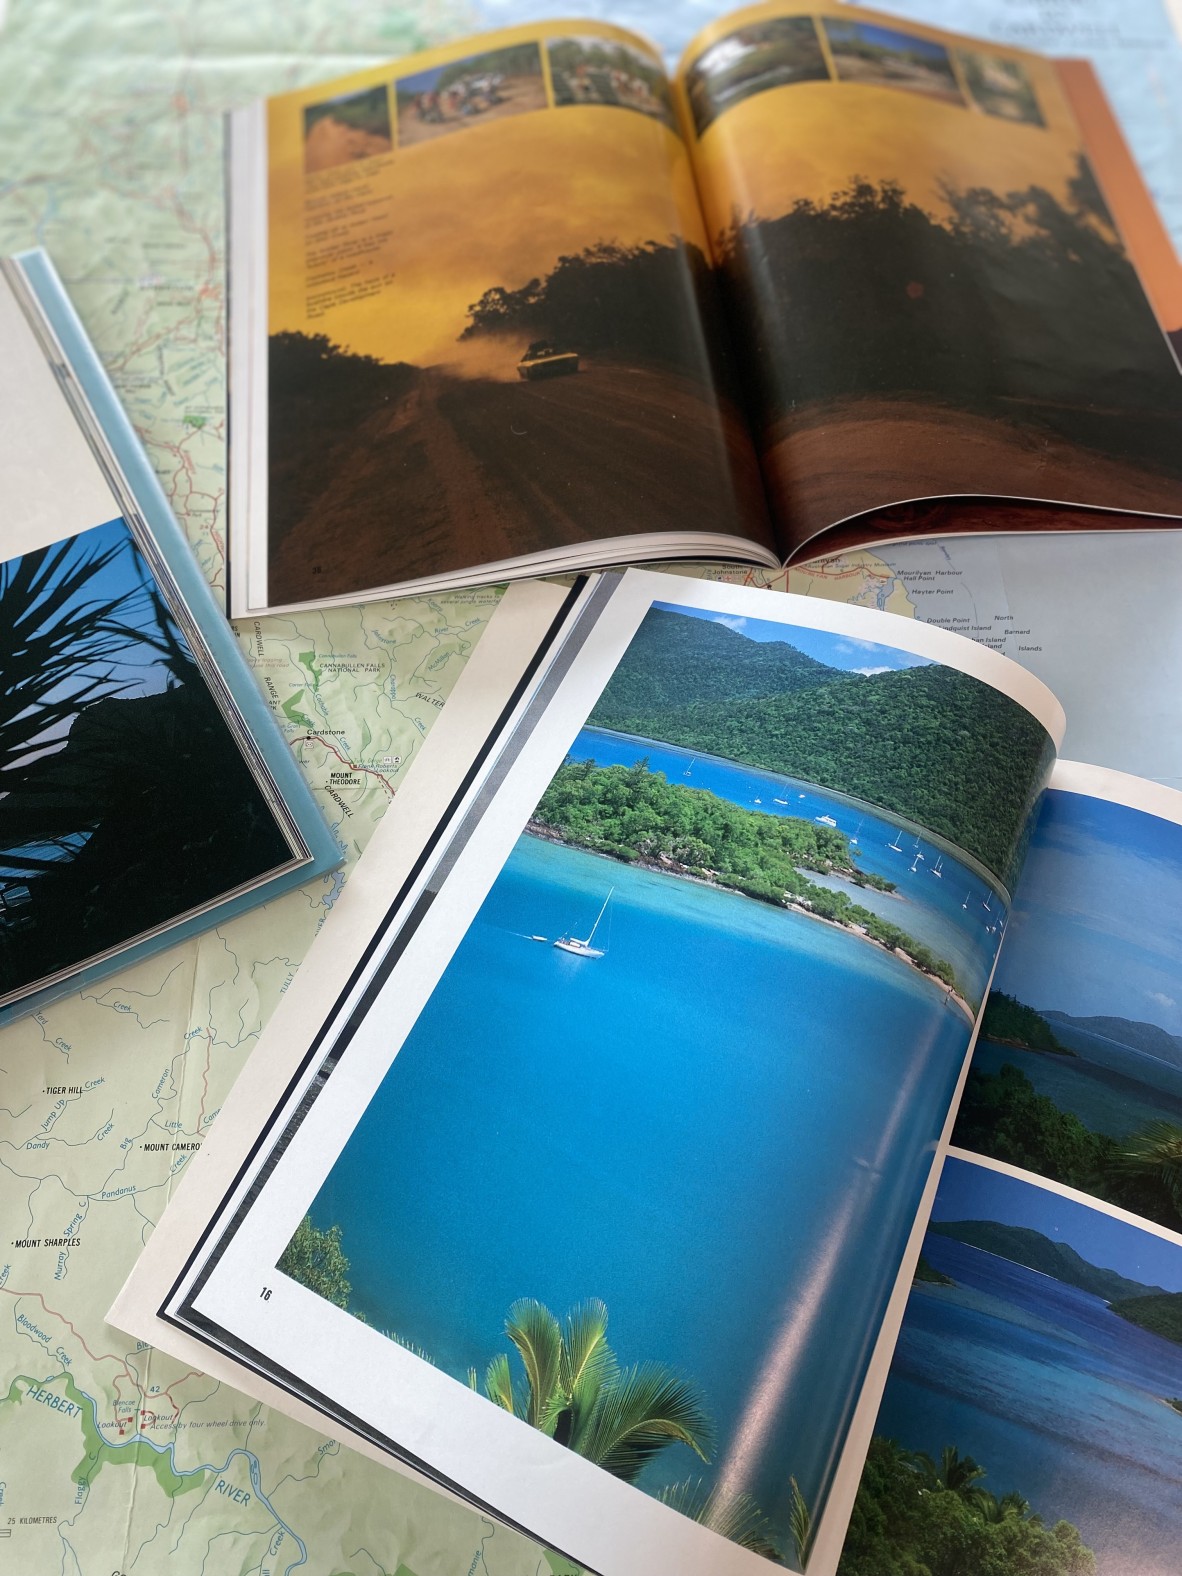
(915, 863)
(936, 871)
(854, 838)
(897, 845)
(690, 767)
(583, 948)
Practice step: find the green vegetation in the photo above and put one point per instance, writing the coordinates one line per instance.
(636, 815)
(1174, 1401)
(917, 1517)
(736, 1517)
(930, 744)
(576, 1393)
(315, 1259)
(1002, 1116)
(367, 111)
(930, 1275)
(1010, 1022)
(1161, 1313)
(1022, 1245)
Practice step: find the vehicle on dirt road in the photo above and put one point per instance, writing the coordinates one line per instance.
(544, 360)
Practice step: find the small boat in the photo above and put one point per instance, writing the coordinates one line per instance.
(854, 838)
(779, 801)
(965, 904)
(582, 948)
(689, 768)
(757, 801)
(915, 862)
(537, 938)
(985, 904)
(897, 845)
(935, 870)
(825, 820)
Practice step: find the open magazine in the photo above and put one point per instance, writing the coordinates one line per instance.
(524, 304)
(601, 1130)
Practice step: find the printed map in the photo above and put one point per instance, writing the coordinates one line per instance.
(114, 1459)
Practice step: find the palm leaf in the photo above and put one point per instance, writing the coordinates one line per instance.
(733, 1516)
(534, 1331)
(800, 1524)
(588, 1364)
(646, 1408)
(498, 1383)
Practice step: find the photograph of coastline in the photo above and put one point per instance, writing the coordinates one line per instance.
(535, 377)
(931, 301)
(342, 130)
(109, 739)
(1078, 1072)
(883, 57)
(699, 985)
(1032, 1420)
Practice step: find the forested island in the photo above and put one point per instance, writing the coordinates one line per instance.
(1001, 1115)
(635, 815)
(929, 744)
(1008, 1021)
(1160, 1313)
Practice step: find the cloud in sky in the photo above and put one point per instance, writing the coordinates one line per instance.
(1162, 999)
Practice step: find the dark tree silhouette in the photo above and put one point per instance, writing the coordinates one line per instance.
(1017, 306)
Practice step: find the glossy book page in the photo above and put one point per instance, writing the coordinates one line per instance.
(599, 1174)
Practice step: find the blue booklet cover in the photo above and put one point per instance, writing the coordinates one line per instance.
(145, 791)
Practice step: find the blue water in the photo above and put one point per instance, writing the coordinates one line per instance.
(1055, 1395)
(720, 1128)
(1117, 1095)
(946, 913)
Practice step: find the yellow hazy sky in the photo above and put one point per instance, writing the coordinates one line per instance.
(493, 204)
(807, 139)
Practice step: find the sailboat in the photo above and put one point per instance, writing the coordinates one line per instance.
(583, 948)
(854, 838)
(915, 863)
(690, 767)
(985, 904)
(897, 845)
(936, 871)
(967, 895)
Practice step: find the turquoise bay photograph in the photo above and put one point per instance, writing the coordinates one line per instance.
(1032, 1420)
(1077, 1074)
(643, 1169)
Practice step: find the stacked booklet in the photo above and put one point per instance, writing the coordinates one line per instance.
(526, 304)
(590, 1166)
(145, 789)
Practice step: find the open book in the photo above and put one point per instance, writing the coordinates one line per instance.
(523, 305)
(586, 1165)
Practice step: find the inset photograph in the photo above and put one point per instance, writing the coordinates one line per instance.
(468, 92)
(999, 86)
(598, 71)
(882, 57)
(1077, 1074)
(766, 55)
(342, 130)
(1031, 1418)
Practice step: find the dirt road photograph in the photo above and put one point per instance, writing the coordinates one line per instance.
(354, 126)
(885, 58)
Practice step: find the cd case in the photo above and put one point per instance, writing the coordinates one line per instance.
(146, 792)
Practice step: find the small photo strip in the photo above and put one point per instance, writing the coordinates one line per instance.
(469, 92)
(345, 129)
(772, 54)
(600, 71)
(883, 57)
(999, 86)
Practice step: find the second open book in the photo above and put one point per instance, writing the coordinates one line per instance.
(586, 1166)
(524, 304)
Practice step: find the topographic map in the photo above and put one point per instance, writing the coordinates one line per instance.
(113, 1458)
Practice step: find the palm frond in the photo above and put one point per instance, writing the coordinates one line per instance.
(641, 1412)
(733, 1516)
(498, 1383)
(800, 1524)
(534, 1331)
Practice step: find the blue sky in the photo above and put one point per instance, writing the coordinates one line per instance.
(1096, 926)
(838, 651)
(969, 1192)
(884, 38)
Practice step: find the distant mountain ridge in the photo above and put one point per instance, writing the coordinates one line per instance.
(1138, 1036)
(929, 743)
(1022, 1245)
